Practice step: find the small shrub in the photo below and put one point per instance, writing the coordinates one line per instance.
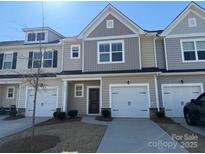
(73, 113)
(160, 114)
(2, 111)
(106, 113)
(61, 115)
(55, 114)
(13, 111)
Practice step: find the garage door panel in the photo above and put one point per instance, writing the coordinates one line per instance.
(175, 97)
(45, 102)
(130, 101)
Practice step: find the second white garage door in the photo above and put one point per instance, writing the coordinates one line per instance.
(175, 97)
(130, 101)
(45, 103)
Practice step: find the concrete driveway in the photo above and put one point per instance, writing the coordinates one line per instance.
(197, 129)
(137, 135)
(10, 127)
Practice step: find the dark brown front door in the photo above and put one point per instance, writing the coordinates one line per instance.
(93, 101)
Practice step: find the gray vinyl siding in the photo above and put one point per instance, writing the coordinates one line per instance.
(106, 81)
(177, 80)
(119, 28)
(174, 56)
(131, 57)
(71, 64)
(79, 103)
(183, 28)
(147, 52)
(160, 53)
(52, 36)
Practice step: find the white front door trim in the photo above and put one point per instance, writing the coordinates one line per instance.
(128, 85)
(179, 85)
(87, 100)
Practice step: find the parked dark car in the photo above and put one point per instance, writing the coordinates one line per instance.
(194, 111)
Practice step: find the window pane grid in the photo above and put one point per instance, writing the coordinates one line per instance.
(199, 51)
(114, 54)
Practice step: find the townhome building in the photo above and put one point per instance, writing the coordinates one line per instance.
(112, 64)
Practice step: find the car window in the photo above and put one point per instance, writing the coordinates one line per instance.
(201, 99)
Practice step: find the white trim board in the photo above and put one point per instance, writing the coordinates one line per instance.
(112, 37)
(87, 100)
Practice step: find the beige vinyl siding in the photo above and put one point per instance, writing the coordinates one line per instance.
(71, 64)
(131, 56)
(177, 80)
(47, 83)
(106, 81)
(147, 52)
(7, 102)
(79, 103)
(22, 60)
(119, 28)
(183, 28)
(174, 55)
(160, 53)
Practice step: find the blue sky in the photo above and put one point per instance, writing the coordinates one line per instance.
(69, 18)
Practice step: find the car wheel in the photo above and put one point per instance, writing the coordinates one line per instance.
(189, 119)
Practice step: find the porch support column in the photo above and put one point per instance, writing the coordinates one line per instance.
(65, 94)
(156, 92)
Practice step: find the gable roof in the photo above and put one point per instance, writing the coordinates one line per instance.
(190, 7)
(110, 9)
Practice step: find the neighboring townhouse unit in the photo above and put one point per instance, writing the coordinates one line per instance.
(112, 64)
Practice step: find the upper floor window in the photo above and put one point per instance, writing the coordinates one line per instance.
(46, 59)
(111, 52)
(36, 36)
(7, 61)
(109, 24)
(41, 36)
(75, 51)
(193, 50)
(31, 37)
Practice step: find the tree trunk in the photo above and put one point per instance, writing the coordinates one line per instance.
(34, 105)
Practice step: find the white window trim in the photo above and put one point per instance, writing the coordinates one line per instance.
(11, 61)
(110, 42)
(107, 24)
(195, 50)
(42, 58)
(71, 51)
(79, 84)
(46, 36)
(8, 92)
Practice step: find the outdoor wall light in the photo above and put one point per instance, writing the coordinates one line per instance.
(182, 81)
(128, 82)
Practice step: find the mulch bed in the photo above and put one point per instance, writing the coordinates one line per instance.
(181, 134)
(30, 145)
(163, 120)
(56, 121)
(101, 118)
(14, 118)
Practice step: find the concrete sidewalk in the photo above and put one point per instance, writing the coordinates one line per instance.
(137, 135)
(10, 127)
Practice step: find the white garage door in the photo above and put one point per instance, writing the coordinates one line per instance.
(175, 97)
(45, 103)
(130, 101)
